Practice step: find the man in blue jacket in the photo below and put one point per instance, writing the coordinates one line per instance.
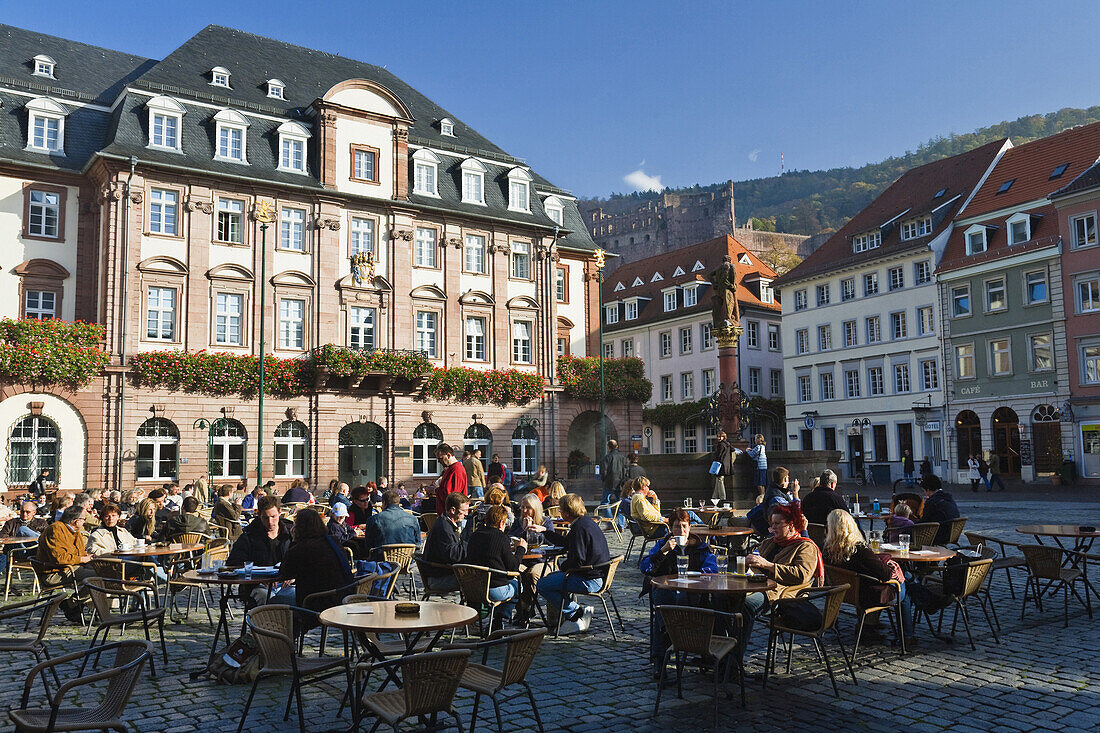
(939, 506)
(391, 526)
(585, 546)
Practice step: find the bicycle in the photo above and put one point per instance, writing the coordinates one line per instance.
(866, 477)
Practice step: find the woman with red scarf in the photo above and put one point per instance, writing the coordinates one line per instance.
(788, 558)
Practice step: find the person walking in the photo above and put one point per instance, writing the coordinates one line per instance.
(612, 471)
(907, 466)
(994, 472)
(721, 463)
(452, 479)
(475, 473)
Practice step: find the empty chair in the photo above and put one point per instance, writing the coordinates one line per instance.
(45, 608)
(635, 530)
(834, 597)
(19, 555)
(1045, 563)
(429, 683)
(102, 590)
(607, 517)
(1005, 562)
(957, 526)
(923, 534)
(401, 555)
(520, 648)
(973, 585)
(691, 633)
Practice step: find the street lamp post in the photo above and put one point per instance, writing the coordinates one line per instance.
(265, 214)
(603, 396)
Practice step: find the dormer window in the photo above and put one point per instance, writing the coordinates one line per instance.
(219, 77)
(230, 134)
(976, 240)
(447, 127)
(913, 228)
(473, 181)
(691, 295)
(866, 241)
(275, 89)
(767, 295)
(46, 126)
(292, 147)
(425, 172)
(554, 209)
(165, 122)
(44, 66)
(1019, 228)
(519, 190)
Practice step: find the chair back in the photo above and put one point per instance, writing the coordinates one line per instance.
(1043, 561)
(957, 526)
(46, 606)
(473, 580)
(193, 538)
(99, 590)
(431, 680)
(273, 628)
(976, 539)
(519, 654)
(975, 576)
(612, 566)
(635, 528)
(915, 502)
(817, 534)
(41, 572)
(366, 585)
(427, 520)
(922, 534)
(106, 567)
(841, 576)
(422, 565)
(130, 659)
(400, 554)
(689, 629)
(834, 599)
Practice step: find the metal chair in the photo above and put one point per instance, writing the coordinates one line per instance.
(428, 520)
(1045, 563)
(834, 597)
(520, 648)
(102, 590)
(45, 608)
(421, 566)
(430, 682)
(691, 633)
(607, 569)
(401, 555)
(1005, 562)
(611, 521)
(922, 535)
(273, 628)
(973, 584)
(635, 530)
(473, 581)
(957, 526)
(19, 555)
(840, 576)
(120, 679)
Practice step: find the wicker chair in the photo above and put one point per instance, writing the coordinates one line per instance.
(975, 585)
(957, 526)
(1045, 563)
(421, 566)
(612, 521)
(691, 631)
(430, 682)
(102, 590)
(914, 500)
(607, 569)
(45, 608)
(192, 538)
(19, 555)
(273, 628)
(401, 555)
(923, 534)
(216, 549)
(473, 580)
(817, 534)
(1005, 562)
(854, 581)
(520, 648)
(834, 598)
(120, 679)
(427, 520)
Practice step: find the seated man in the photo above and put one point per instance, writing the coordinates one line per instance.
(490, 547)
(173, 499)
(823, 499)
(24, 524)
(61, 551)
(248, 503)
(585, 545)
(159, 497)
(340, 495)
(360, 510)
(226, 512)
(661, 560)
(939, 506)
(187, 521)
(337, 524)
(391, 526)
(298, 493)
(445, 545)
(645, 509)
(264, 542)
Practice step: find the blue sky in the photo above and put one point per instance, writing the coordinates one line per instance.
(608, 96)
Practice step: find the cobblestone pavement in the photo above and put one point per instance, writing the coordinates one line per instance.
(1040, 677)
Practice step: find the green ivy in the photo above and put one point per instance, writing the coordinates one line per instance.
(667, 416)
(624, 379)
(51, 352)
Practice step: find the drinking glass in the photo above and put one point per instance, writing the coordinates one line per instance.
(217, 564)
(714, 503)
(876, 540)
(687, 503)
(248, 569)
(903, 543)
(681, 564)
(723, 562)
(740, 564)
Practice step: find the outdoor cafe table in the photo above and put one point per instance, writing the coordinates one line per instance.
(871, 517)
(928, 553)
(1082, 543)
(17, 540)
(713, 583)
(720, 533)
(157, 550)
(225, 583)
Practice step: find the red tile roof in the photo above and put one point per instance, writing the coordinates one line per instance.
(709, 254)
(912, 194)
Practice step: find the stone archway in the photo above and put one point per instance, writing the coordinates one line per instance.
(362, 453)
(968, 429)
(584, 443)
(1006, 440)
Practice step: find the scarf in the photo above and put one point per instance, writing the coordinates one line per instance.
(819, 573)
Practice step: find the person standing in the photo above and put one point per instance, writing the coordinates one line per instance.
(723, 456)
(994, 472)
(199, 489)
(907, 467)
(759, 454)
(475, 473)
(612, 471)
(974, 473)
(925, 469)
(452, 479)
(37, 488)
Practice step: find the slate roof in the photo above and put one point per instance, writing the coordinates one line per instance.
(709, 254)
(1030, 167)
(912, 195)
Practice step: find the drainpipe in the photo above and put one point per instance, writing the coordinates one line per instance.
(123, 299)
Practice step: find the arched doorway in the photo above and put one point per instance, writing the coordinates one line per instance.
(1006, 440)
(968, 429)
(1046, 438)
(584, 443)
(362, 453)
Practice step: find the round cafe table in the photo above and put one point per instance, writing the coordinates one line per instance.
(713, 583)
(1082, 543)
(720, 535)
(157, 550)
(18, 541)
(928, 553)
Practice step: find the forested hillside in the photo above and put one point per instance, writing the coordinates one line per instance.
(809, 202)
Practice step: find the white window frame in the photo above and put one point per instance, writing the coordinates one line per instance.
(158, 440)
(899, 325)
(960, 294)
(426, 324)
(555, 210)
(473, 254)
(926, 320)
(828, 386)
(686, 342)
(687, 386)
(519, 190)
(873, 326)
(628, 348)
(876, 387)
(851, 333)
(993, 352)
(801, 301)
(775, 379)
(475, 342)
(866, 241)
(276, 89)
(1090, 363)
(1028, 279)
(522, 334)
(362, 322)
(668, 438)
(929, 375)
(228, 321)
(903, 384)
(48, 111)
(708, 385)
(473, 181)
(168, 110)
(870, 284)
(1033, 363)
(824, 294)
(851, 383)
(361, 237)
(987, 294)
(220, 77)
(525, 451)
(426, 172)
(521, 261)
(293, 146)
(611, 313)
(805, 388)
(706, 336)
(767, 293)
(896, 276)
(44, 66)
(752, 334)
(630, 312)
(976, 239)
(292, 229)
(922, 272)
(45, 207)
(38, 310)
(802, 341)
(664, 339)
(1010, 226)
(847, 289)
(666, 388)
(226, 123)
(447, 127)
(669, 300)
(917, 227)
(234, 210)
(291, 446)
(1087, 302)
(691, 295)
(164, 211)
(690, 439)
(774, 344)
(292, 324)
(424, 449)
(825, 337)
(1081, 227)
(426, 247)
(160, 316)
(965, 366)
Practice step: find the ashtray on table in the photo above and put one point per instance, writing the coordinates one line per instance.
(407, 609)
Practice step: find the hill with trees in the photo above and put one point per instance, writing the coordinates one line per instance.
(810, 202)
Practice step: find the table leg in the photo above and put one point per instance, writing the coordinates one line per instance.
(223, 625)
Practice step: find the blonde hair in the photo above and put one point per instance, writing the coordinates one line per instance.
(901, 509)
(641, 482)
(557, 491)
(842, 536)
(759, 439)
(572, 504)
(148, 524)
(532, 501)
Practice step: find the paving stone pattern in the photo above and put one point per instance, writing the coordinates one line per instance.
(1040, 677)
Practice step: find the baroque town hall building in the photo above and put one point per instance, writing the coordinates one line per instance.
(130, 194)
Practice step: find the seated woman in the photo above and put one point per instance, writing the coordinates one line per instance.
(490, 547)
(531, 525)
(143, 525)
(552, 496)
(337, 524)
(314, 561)
(844, 548)
(901, 518)
(661, 560)
(109, 536)
(528, 523)
(496, 496)
(788, 558)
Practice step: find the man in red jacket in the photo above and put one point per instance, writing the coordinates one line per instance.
(453, 477)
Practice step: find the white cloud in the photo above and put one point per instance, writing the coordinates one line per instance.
(754, 155)
(642, 181)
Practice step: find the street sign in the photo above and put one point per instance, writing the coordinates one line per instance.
(635, 437)
(809, 422)
(932, 427)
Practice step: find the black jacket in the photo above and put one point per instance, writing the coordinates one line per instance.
(941, 507)
(585, 545)
(315, 566)
(177, 524)
(819, 502)
(444, 546)
(489, 547)
(864, 561)
(723, 453)
(256, 547)
(613, 469)
(634, 471)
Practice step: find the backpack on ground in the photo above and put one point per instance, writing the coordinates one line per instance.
(239, 663)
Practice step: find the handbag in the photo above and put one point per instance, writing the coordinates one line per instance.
(715, 468)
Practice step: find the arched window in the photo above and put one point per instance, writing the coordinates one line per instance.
(969, 430)
(425, 438)
(33, 446)
(158, 443)
(479, 436)
(228, 441)
(291, 448)
(525, 450)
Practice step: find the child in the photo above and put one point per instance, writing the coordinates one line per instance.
(901, 518)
